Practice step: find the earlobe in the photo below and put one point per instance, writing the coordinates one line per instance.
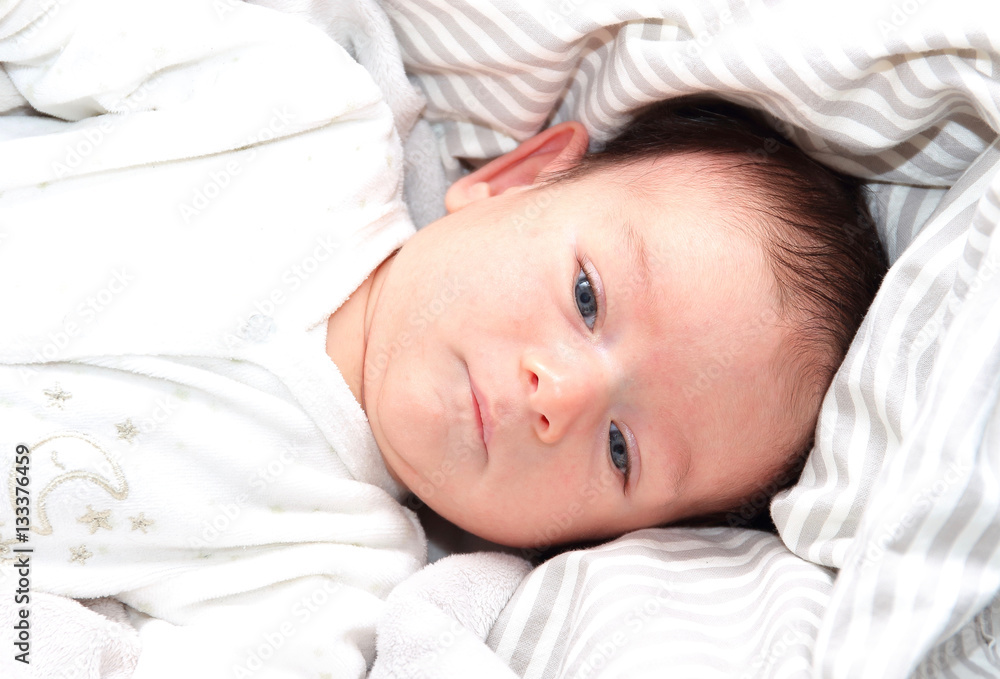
(555, 149)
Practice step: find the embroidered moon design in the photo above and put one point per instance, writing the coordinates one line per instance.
(85, 460)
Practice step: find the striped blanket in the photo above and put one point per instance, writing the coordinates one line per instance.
(888, 562)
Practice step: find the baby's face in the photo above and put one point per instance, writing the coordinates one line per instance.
(577, 361)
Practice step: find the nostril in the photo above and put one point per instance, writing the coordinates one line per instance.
(534, 381)
(545, 421)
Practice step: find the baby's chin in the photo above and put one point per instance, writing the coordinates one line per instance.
(485, 527)
(525, 536)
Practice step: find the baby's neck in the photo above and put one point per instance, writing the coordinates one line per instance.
(347, 330)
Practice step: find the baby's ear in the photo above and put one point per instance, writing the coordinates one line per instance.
(557, 148)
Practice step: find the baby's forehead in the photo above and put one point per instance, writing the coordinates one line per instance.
(655, 195)
(697, 184)
(653, 171)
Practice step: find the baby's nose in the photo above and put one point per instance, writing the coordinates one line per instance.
(563, 392)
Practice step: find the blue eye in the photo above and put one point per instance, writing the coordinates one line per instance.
(619, 450)
(586, 300)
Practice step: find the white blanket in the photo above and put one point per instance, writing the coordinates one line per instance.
(189, 190)
(436, 622)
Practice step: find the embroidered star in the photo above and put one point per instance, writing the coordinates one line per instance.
(96, 519)
(127, 430)
(57, 397)
(257, 328)
(80, 554)
(141, 522)
(6, 551)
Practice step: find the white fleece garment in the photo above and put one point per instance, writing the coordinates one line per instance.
(172, 240)
(436, 621)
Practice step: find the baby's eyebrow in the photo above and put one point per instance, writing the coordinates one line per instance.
(638, 259)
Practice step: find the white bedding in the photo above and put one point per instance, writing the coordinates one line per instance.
(175, 235)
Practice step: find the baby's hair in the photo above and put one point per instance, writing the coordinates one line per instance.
(811, 221)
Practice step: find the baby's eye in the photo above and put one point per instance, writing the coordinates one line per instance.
(619, 450)
(586, 301)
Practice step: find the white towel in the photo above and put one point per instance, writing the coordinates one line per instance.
(436, 621)
(92, 639)
(362, 28)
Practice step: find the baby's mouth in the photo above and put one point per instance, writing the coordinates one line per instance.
(480, 409)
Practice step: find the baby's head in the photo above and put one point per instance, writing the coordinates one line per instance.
(590, 344)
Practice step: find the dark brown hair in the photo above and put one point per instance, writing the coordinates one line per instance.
(811, 221)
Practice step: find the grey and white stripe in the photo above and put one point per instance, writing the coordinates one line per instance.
(901, 493)
(667, 596)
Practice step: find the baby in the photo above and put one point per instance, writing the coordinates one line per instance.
(644, 334)
(227, 361)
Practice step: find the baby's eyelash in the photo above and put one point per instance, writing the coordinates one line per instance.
(632, 473)
(586, 300)
(618, 448)
(587, 293)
